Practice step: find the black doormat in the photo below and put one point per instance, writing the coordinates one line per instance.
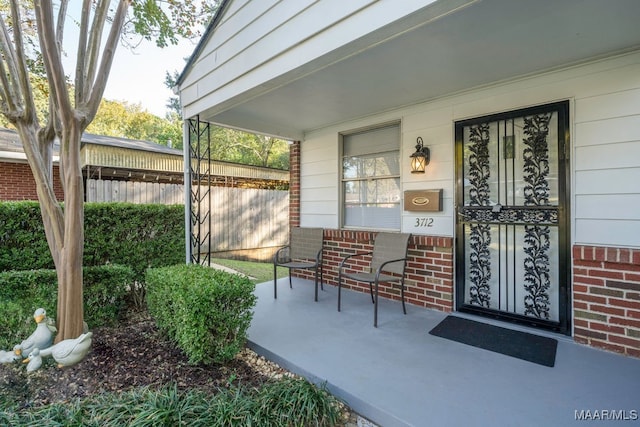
(525, 346)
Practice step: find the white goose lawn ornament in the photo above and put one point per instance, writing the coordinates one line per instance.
(69, 352)
(42, 337)
(34, 360)
(11, 356)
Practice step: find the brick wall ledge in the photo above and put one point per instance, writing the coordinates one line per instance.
(607, 254)
(365, 235)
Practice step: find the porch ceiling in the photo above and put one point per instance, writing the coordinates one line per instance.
(485, 42)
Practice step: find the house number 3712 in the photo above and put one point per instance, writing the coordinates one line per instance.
(424, 222)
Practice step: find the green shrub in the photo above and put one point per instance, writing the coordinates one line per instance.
(22, 292)
(139, 236)
(106, 289)
(32, 288)
(13, 328)
(23, 244)
(206, 312)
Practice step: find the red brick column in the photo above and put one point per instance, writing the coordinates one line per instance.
(294, 184)
(606, 298)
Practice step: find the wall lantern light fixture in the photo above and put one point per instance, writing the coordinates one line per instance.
(420, 159)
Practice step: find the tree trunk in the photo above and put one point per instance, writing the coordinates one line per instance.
(70, 297)
(69, 270)
(64, 228)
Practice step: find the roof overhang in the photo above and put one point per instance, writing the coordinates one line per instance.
(106, 157)
(448, 47)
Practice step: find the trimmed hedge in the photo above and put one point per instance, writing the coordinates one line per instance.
(22, 292)
(15, 326)
(206, 312)
(23, 245)
(140, 236)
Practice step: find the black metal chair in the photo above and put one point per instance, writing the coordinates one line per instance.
(304, 252)
(389, 255)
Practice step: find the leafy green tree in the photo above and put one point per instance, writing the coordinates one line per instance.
(172, 131)
(237, 146)
(124, 120)
(254, 149)
(31, 39)
(173, 103)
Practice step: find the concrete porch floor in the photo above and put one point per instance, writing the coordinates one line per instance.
(399, 375)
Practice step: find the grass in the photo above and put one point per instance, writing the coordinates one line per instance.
(286, 402)
(260, 272)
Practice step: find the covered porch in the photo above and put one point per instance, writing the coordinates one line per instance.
(400, 375)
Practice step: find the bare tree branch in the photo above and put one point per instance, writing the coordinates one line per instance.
(107, 59)
(52, 60)
(82, 52)
(62, 13)
(8, 106)
(21, 62)
(10, 58)
(93, 48)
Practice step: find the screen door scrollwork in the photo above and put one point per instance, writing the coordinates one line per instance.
(510, 209)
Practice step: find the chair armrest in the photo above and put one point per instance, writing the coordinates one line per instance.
(345, 259)
(279, 258)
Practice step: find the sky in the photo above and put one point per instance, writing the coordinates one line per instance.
(136, 77)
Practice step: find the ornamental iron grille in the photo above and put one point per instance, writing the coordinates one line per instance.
(200, 191)
(512, 231)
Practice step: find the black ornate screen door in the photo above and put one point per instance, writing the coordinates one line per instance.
(512, 216)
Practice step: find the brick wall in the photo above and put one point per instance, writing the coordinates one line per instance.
(429, 274)
(17, 183)
(606, 298)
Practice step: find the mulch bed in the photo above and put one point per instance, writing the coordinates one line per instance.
(135, 354)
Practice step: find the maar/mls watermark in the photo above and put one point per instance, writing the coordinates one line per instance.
(606, 415)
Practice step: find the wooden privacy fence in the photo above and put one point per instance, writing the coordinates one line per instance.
(236, 219)
(99, 190)
(242, 219)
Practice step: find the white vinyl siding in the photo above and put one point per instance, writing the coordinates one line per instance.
(604, 146)
(607, 159)
(319, 194)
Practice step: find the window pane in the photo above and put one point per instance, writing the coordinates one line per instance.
(378, 191)
(371, 178)
(372, 165)
(372, 216)
(373, 203)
